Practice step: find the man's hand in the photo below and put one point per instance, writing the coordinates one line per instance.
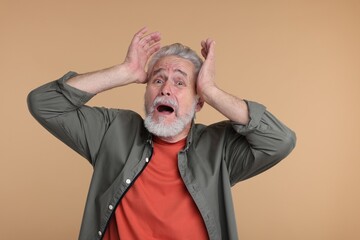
(230, 106)
(206, 77)
(132, 70)
(141, 48)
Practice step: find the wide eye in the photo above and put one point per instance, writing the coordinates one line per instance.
(179, 83)
(158, 81)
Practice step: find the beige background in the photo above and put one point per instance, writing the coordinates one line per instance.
(299, 58)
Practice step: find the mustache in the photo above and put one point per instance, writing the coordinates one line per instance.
(162, 100)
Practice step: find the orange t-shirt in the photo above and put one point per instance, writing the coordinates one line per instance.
(158, 205)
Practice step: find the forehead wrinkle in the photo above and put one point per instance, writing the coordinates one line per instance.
(157, 71)
(161, 70)
(181, 72)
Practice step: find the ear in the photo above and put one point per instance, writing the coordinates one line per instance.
(199, 104)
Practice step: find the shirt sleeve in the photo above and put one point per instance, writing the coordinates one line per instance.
(61, 109)
(267, 141)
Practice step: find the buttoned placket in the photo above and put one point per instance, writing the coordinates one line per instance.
(128, 182)
(193, 189)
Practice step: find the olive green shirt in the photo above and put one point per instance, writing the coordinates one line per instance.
(119, 147)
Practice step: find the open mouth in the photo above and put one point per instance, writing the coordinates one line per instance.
(165, 109)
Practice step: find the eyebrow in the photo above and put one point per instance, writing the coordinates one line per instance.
(176, 70)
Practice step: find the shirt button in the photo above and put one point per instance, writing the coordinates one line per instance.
(111, 207)
(99, 233)
(146, 159)
(128, 181)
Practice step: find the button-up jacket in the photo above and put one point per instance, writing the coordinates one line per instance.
(119, 147)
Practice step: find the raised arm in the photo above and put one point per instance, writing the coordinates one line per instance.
(60, 105)
(268, 139)
(132, 70)
(224, 102)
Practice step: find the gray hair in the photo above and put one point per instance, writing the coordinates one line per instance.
(178, 50)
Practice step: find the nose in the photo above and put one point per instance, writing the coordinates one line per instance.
(165, 90)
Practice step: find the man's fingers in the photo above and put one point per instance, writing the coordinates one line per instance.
(203, 48)
(150, 39)
(204, 53)
(137, 36)
(208, 46)
(154, 48)
(203, 44)
(141, 32)
(149, 43)
(142, 39)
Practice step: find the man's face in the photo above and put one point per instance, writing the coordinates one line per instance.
(170, 97)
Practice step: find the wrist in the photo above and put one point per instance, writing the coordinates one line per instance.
(133, 73)
(209, 92)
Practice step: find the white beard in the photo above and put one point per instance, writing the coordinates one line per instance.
(161, 129)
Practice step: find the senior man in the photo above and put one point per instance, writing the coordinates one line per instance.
(165, 176)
